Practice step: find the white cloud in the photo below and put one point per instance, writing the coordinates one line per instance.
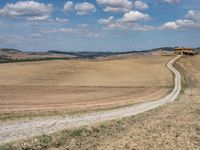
(141, 5)
(62, 20)
(131, 17)
(93, 35)
(170, 25)
(85, 8)
(35, 35)
(83, 25)
(38, 18)
(112, 23)
(66, 30)
(192, 21)
(106, 21)
(115, 9)
(60, 30)
(134, 16)
(69, 5)
(194, 15)
(172, 1)
(116, 5)
(185, 23)
(130, 21)
(49, 31)
(29, 10)
(120, 25)
(181, 24)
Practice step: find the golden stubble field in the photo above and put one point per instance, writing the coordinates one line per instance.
(192, 66)
(78, 85)
(172, 126)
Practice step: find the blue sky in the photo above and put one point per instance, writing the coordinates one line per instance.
(98, 25)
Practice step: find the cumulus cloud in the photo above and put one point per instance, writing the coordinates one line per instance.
(106, 21)
(171, 1)
(85, 8)
(130, 21)
(194, 15)
(29, 10)
(191, 21)
(119, 24)
(83, 25)
(141, 5)
(116, 6)
(169, 25)
(134, 16)
(180, 24)
(69, 5)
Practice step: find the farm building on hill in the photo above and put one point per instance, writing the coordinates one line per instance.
(184, 51)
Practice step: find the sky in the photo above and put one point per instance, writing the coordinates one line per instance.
(99, 25)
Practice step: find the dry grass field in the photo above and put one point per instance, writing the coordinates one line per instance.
(78, 85)
(173, 126)
(191, 65)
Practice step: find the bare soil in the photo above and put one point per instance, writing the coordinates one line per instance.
(12, 131)
(68, 99)
(191, 65)
(78, 85)
(174, 126)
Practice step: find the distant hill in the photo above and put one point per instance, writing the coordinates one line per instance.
(197, 49)
(10, 50)
(84, 54)
(10, 55)
(87, 54)
(13, 55)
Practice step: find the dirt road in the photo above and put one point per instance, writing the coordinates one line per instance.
(16, 130)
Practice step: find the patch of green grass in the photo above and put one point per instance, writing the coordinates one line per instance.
(76, 132)
(7, 147)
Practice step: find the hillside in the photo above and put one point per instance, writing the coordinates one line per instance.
(13, 55)
(78, 85)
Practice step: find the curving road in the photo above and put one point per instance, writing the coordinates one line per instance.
(16, 130)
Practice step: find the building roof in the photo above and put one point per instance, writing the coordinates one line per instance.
(183, 48)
